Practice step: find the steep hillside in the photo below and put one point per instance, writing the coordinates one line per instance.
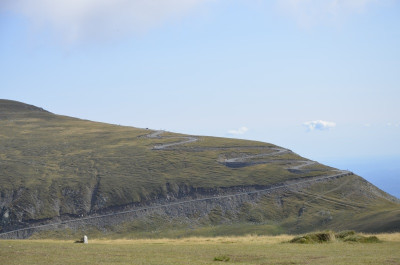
(79, 174)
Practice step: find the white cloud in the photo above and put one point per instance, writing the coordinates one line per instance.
(241, 130)
(310, 12)
(85, 19)
(319, 125)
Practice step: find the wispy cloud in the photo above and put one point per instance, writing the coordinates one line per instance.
(389, 124)
(75, 20)
(241, 130)
(310, 12)
(319, 125)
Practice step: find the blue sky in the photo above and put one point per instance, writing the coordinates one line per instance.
(319, 77)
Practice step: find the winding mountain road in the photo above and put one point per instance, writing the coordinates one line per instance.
(240, 161)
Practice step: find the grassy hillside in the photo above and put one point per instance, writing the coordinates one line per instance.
(53, 166)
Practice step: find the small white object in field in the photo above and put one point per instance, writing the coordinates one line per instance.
(85, 239)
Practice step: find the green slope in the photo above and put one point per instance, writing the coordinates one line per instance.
(54, 166)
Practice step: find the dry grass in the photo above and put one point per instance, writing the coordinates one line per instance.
(239, 250)
(196, 240)
(388, 237)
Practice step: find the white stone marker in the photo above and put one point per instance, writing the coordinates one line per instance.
(85, 240)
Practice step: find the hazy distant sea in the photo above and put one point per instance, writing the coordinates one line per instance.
(383, 172)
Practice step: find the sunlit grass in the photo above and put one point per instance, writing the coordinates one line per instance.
(198, 250)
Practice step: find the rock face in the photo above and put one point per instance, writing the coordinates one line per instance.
(58, 172)
(278, 203)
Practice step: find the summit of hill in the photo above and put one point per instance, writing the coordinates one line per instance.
(14, 107)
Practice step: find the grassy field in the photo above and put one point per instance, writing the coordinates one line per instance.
(236, 250)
